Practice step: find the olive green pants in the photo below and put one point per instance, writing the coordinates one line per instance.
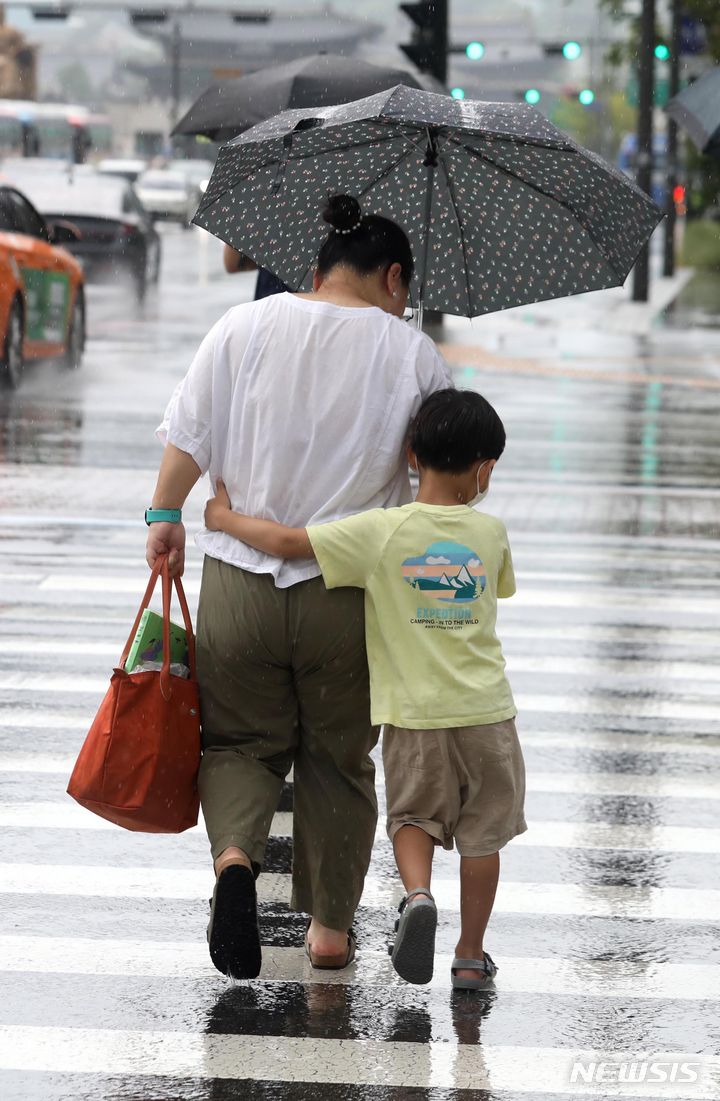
(284, 682)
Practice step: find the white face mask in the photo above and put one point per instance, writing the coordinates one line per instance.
(481, 494)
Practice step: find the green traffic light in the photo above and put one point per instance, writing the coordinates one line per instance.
(457, 93)
(662, 53)
(532, 96)
(475, 50)
(586, 97)
(571, 51)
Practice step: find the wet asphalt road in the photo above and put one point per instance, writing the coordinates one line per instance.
(605, 925)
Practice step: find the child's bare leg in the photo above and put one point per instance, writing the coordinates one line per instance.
(478, 884)
(414, 855)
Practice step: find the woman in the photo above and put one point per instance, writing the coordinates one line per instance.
(300, 403)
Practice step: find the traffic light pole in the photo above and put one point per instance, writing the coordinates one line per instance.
(646, 88)
(429, 47)
(176, 50)
(672, 144)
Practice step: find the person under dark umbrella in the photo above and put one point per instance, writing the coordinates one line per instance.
(300, 404)
(266, 283)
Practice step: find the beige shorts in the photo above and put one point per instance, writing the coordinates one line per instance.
(465, 785)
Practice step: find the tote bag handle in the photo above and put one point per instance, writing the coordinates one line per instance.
(161, 566)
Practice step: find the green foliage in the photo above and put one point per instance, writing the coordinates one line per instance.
(570, 115)
(74, 84)
(701, 245)
(626, 11)
(708, 12)
(622, 119)
(703, 181)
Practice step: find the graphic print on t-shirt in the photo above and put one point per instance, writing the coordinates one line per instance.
(446, 571)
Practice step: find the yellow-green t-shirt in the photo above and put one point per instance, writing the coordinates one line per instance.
(432, 575)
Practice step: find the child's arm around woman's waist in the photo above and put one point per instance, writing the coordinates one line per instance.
(268, 536)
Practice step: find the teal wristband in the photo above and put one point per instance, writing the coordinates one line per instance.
(163, 515)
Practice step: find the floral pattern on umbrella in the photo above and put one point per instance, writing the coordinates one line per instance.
(501, 208)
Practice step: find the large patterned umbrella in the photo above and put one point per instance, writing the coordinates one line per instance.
(501, 207)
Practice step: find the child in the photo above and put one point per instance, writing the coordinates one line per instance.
(432, 571)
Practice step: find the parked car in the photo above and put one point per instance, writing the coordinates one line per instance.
(128, 168)
(196, 171)
(167, 194)
(42, 290)
(114, 232)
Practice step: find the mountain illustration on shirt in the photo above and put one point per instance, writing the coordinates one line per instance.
(446, 571)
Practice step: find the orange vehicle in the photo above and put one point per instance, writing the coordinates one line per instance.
(42, 290)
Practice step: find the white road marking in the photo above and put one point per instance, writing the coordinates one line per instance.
(541, 833)
(435, 1065)
(560, 665)
(629, 707)
(69, 815)
(524, 974)
(25, 719)
(559, 595)
(645, 903)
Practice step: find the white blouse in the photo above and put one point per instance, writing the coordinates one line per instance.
(302, 408)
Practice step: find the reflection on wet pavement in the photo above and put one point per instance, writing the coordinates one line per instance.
(605, 927)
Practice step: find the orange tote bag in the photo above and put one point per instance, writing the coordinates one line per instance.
(138, 765)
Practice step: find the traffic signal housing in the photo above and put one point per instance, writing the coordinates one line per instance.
(429, 47)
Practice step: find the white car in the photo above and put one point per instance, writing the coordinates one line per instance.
(197, 171)
(128, 168)
(166, 194)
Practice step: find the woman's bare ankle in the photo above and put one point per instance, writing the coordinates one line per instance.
(325, 941)
(231, 855)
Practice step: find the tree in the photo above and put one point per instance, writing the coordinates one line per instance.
(74, 83)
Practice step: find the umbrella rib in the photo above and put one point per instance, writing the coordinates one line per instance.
(546, 195)
(456, 212)
(385, 172)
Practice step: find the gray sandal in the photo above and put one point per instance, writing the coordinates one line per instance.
(486, 965)
(413, 952)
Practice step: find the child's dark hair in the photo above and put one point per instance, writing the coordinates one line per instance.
(365, 242)
(455, 428)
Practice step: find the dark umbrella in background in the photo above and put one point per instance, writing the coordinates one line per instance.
(697, 110)
(501, 208)
(224, 110)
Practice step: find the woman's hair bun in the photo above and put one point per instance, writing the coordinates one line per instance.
(342, 212)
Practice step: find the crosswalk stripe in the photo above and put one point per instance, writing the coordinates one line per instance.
(562, 665)
(641, 742)
(610, 783)
(542, 832)
(24, 719)
(645, 903)
(522, 974)
(658, 786)
(436, 1065)
(65, 618)
(69, 815)
(628, 707)
(561, 595)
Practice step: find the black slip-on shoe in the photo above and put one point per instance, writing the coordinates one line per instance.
(233, 934)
